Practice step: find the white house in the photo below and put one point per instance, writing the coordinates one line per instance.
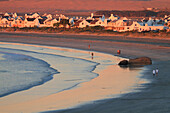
(132, 26)
(51, 22)
(81, 23)
(123, 25)
(40, 22)
(31, 22)
(4, 22)
(11, 22)
(111, 25)
(8, 15)
(48, 16)
(32, 15)
(19, 22)
(97, 22)
(146, 27)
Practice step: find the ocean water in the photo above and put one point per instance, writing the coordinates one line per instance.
(19, 72)
(24, 67)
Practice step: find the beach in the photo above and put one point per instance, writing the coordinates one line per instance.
(153, 96)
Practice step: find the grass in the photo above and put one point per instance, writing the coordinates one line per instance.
(88, 30)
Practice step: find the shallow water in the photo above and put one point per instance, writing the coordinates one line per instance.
(19, 72)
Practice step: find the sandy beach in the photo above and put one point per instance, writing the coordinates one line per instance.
(154, 96)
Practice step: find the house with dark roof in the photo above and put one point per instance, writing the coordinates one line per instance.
(96, 17)
(32, 15)
(31, 22)
(4, 22)
(8, 15)
(11, 22)
(41, 22)
(110, 24)
(55, 20)
(19, 22)
(81, 23)
(48, 22)
(130, 25)
(97, 22)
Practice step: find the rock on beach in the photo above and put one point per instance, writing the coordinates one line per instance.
(136, 62)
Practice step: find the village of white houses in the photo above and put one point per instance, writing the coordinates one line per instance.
(114, 22)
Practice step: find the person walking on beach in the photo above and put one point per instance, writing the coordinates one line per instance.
(118, 52)
(156, 71)
(153, 72)
(92, 55)
(89, 46)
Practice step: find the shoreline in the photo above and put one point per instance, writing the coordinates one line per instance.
(45, 79)
(159, 54)
(91, 87)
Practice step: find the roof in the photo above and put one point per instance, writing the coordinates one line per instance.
(2, 15)
(49, 20)
(94, 21)
(78, 22)
(22, 18)
(97, 16)
(89, 21)
(113, 21)
(141, 23)
(30, 14)
(75, 20)
(41, 21)
(128, 22)
(30, 19)
(108, 20)
(5, 17)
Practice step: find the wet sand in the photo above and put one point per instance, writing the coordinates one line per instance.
(145, 101)
(157, 49)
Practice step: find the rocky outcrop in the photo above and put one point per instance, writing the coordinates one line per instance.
(123, 62)
(136, 62)
(140, 61)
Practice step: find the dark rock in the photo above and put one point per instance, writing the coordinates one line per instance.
(123, 62)
(140, 61)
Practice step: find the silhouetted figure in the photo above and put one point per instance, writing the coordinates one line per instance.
(92, 55)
